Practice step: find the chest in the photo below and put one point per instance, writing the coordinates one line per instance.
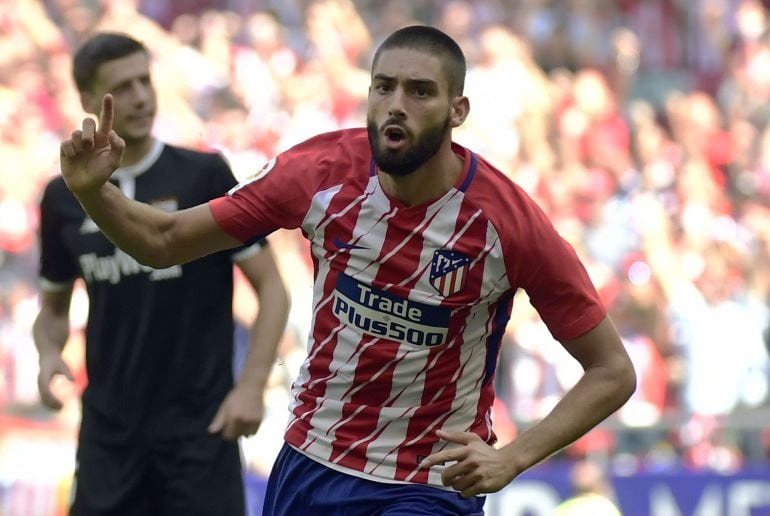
(446, 253)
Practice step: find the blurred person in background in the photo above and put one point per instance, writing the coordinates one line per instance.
(592, 493)
(713, 314)
(160, 414)
(416, 263)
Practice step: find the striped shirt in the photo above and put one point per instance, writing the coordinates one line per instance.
(410, 303)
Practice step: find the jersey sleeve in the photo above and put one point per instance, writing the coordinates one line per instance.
(556, 282)
(57, 265)
(277, 196)
(223, 180)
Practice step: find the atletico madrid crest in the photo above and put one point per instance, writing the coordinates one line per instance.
(448, 271)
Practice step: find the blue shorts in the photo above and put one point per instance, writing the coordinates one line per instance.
(299, 485)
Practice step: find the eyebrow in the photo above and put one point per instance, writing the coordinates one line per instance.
(414, 82)
(128, 80)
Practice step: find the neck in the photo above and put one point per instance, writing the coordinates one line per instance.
(135, 151)
(431, 181)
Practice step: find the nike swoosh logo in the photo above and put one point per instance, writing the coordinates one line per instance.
(340, 244)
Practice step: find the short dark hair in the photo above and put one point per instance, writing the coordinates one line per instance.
(433, 41)
(99, 49)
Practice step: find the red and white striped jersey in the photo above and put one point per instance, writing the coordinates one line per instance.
(410, 303)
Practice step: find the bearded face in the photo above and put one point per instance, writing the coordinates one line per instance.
(409, 110)
(398, 151)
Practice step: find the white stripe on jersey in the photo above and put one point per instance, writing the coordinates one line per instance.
(427, 255)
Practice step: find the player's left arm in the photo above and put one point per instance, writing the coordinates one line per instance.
(242, 410)
(607, 383)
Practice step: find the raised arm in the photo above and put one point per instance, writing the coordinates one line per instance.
(152, 236)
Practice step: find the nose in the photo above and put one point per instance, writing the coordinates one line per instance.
(396, 106)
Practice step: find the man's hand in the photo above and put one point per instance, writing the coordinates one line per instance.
(51, 364)
(479, 468)
(239, 414)
(91, 155)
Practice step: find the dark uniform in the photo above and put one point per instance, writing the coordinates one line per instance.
(159, 348)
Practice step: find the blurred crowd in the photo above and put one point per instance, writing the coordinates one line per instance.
(640, 126)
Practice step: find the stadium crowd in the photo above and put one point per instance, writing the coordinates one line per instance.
(640, 126)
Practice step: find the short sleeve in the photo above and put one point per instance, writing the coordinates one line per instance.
(557, 283)
(57, 264)
(280, 193)
(223, 180)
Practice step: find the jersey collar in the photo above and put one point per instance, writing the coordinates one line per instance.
(142, 165)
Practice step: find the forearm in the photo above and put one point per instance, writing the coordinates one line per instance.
(51, 328)
(600, 392)
(50, 332)
(137, 228)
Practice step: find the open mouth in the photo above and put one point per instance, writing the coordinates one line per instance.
(395, 135)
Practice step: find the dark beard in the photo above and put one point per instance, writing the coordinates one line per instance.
(404, 162)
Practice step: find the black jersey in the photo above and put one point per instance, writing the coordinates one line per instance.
(159, 342)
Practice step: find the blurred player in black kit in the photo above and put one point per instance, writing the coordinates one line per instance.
(161, 411)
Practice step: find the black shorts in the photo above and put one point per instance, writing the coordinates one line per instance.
(190, 476)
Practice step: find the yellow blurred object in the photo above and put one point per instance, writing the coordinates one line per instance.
(590, 504)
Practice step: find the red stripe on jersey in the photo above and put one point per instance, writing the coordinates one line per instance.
(358, 426)
(325, 327)
(404, 243)
(420, 436)
(348, 449)
(437, 407)
(312, 390)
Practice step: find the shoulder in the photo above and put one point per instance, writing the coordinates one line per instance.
(349, 137)
(344, 144)
(208, 170)
(55, 190)
(56, 184)
(328, 158)
(183, 154)
(491, 190)
(56, 203)
(522, 226)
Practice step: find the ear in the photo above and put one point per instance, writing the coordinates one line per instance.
(90, 103)
(459, 112)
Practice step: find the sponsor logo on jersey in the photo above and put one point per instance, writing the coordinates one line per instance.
(260, 174)
(120, 265)
(382, 314)
(342, 245)
(448, 271)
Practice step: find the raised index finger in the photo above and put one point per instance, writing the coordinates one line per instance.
(106, 115)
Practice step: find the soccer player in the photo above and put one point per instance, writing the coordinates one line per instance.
(160, 414)
(419, 245)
